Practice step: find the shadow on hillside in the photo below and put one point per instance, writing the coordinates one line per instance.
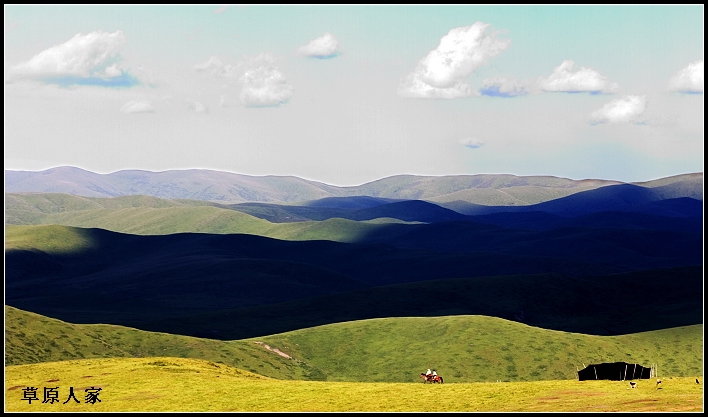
(605, 305)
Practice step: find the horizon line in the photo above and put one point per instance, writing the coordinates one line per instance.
(336, 185)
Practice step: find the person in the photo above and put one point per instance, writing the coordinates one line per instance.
(435, 373)
(428, 373)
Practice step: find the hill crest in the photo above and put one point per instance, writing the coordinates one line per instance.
(231, 188)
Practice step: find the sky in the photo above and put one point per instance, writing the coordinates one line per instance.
(350, 94)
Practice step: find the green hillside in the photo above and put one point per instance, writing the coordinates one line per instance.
(48, 238)
(143, 215)
(479, 348)
(148, 221)
(461, 348)
(27, 208)
(33, 338)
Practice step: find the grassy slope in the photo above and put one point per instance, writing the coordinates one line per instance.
(180, 219)
(461, 348)
(33, 338)
(47, 238)
(479, 348)
(168, 384)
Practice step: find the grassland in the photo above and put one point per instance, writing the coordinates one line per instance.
(461, 348)
(185, 219)
(170, 384)
(33, 338)
(48, 238)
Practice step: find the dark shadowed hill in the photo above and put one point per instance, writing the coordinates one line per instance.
(353, 202)
(622, 197)
(409, 211)
(605, 305)
(679, 214)
(63, 272)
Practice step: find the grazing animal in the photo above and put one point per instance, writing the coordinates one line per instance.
(633, 385)
(658, 381)
(697, 381)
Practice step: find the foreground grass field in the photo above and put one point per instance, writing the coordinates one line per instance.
(172, 384)
(461, 348)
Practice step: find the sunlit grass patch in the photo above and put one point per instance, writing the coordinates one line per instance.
(174, 384)
(50, 239)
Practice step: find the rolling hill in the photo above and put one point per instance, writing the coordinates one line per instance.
(296, 263)
(407, 210)
(465, 349)
(604, 305)
(66, 272)
(230, 188)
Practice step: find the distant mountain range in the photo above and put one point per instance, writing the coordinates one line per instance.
(455, 192)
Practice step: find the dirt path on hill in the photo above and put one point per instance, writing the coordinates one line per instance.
(275, 350)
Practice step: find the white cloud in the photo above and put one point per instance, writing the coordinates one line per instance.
(621, 110)
(137, 106)
(502, 87)
(563, 79)
(688, 80)
(471, 142)
(223, 101)
(326, 46)
(263, 83)
(89, 59)
(443, 72)
(221, 9)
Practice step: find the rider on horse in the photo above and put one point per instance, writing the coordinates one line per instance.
(431, 377)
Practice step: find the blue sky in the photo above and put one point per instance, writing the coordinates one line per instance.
(351, 94)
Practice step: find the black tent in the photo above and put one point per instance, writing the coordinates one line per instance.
(615, 371)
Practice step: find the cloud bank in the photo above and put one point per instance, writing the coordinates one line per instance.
(443, 72)
(621, 110)
(689, 80)
(326, 46)
(563, 79)
(90, 59)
